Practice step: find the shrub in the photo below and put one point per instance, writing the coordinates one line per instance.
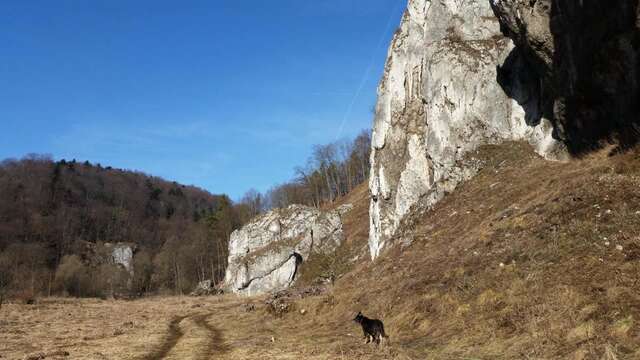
(111, 280)
(142, 273)
(6, 277)
(73, 276)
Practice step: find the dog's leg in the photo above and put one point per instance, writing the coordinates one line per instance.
(384, 340)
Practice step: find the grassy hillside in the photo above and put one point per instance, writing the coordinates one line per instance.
(355, 224)
(530, 259)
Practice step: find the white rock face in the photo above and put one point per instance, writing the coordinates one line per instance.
(439, 99)
(122, 254)
(265, 255)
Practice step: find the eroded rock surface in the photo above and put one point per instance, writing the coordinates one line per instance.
(121, 254)
(264, 256)
(586, 56)
(451, 83)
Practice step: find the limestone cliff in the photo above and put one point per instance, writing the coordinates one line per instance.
(266, 253)
(451, 83)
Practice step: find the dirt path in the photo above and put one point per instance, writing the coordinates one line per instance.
(216, 343)
(190, 337)
(173, 336)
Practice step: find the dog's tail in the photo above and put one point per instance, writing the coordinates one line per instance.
(383, 333)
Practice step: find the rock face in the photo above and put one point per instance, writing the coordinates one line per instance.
(264, 256)
(452, 82)
(586, 56)
(122, 254)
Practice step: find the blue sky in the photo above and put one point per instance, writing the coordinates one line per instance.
(222, 94)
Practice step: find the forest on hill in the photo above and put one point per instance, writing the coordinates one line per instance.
(57, 214)
(59, 218)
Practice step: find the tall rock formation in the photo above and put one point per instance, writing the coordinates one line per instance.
(265, 255)
(452, 82)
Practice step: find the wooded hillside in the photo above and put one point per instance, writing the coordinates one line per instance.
(50, 211)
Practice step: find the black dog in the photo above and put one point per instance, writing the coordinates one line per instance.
(373, 329)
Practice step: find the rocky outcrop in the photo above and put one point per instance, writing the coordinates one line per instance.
(121, 254)
(452, 82)
(586, 56)
(265, 255)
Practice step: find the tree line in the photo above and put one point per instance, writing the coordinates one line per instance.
(331, 171)
(57, 216)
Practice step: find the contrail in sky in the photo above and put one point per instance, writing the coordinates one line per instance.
(366, 74)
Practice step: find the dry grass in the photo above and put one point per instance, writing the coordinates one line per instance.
(529, 260)
(170, 328)
(353, 250)
(561, 291)
(95, 329)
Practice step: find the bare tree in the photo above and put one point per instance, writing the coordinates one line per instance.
(333, 170)
(254, 202)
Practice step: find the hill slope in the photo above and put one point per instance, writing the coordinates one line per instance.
(529, 259)
(49, 210)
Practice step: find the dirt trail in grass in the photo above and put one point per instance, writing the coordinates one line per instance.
(190, 337)
(216, 343)
(173, 336)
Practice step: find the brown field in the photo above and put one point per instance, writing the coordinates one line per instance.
(168, 328)
(529, 260)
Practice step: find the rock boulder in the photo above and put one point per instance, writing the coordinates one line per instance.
(265, 255)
